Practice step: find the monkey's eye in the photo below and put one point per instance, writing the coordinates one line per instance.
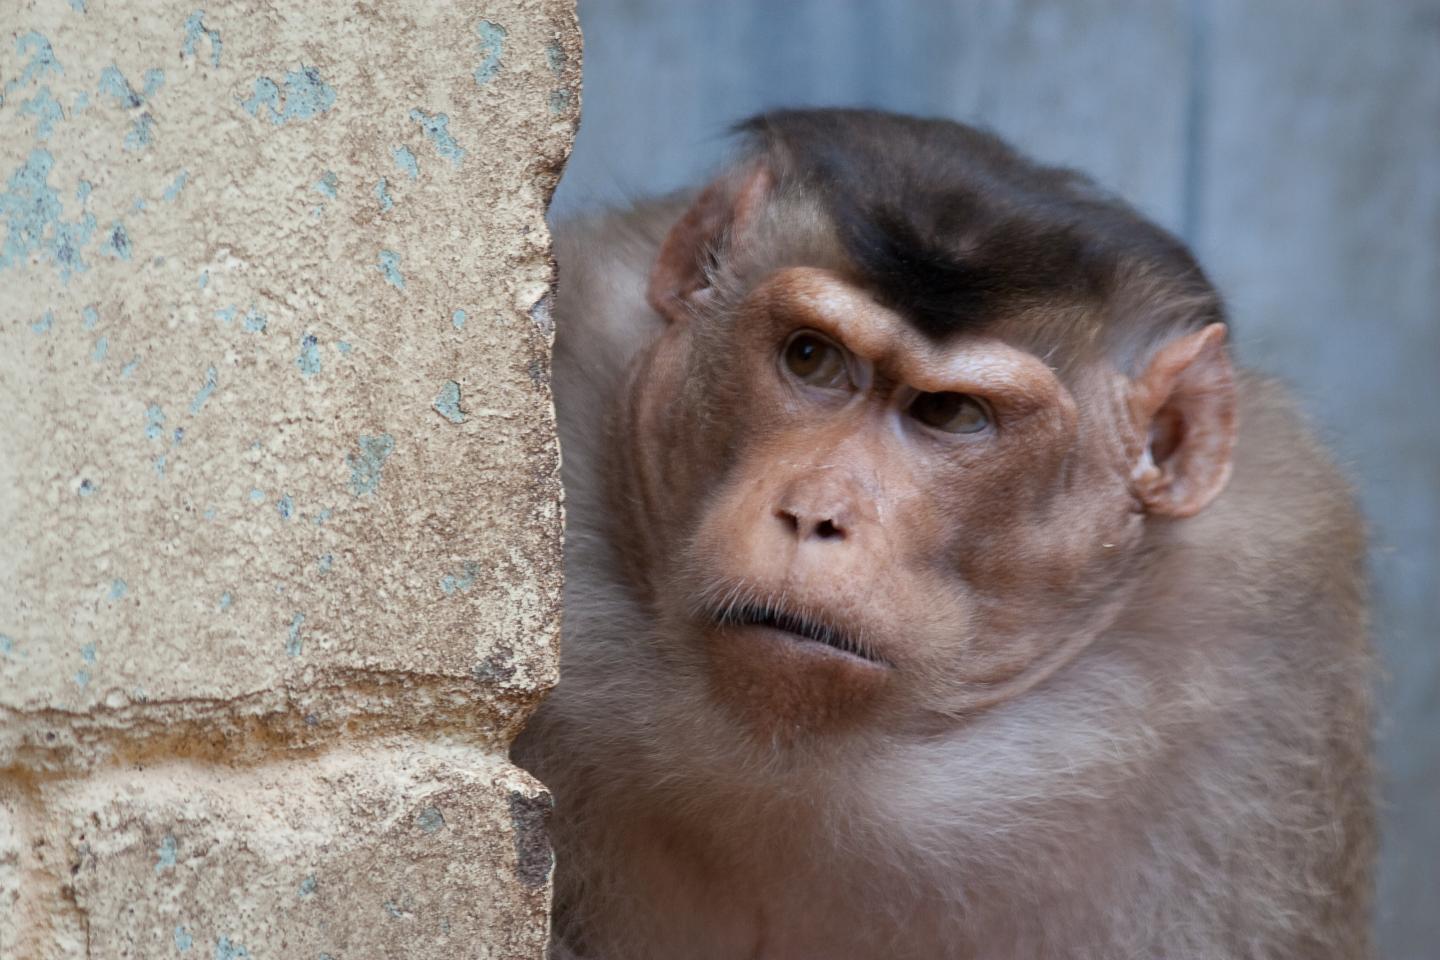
(951, 412)
(816, 361)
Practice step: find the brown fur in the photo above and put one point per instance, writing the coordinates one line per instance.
(1160, 750)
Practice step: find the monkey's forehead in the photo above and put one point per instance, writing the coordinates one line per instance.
(956, 229)
(832, 303)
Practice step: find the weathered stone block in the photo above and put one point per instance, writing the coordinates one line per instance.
(397, 849)
(278, 473)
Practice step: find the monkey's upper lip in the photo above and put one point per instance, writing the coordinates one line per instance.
(777, 618)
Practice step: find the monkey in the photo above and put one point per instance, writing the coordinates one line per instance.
(937, 584)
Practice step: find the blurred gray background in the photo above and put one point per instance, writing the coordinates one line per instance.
(1294, 143)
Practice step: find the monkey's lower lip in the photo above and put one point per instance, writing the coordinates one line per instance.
(799, 627)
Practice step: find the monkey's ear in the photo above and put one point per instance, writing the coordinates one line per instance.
(717, 216)
(1185, 404)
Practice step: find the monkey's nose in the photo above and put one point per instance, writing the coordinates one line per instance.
(812, 525)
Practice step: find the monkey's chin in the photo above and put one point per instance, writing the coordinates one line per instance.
(784, 683)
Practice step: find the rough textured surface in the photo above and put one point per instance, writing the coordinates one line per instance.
(279, 567)
(1295, 144)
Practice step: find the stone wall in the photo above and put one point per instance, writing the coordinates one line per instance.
(279, 503)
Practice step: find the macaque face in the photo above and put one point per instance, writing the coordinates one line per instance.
(882, 527)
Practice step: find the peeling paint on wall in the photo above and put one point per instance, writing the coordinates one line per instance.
(366, 466)
(437, 128)
(32, 212)
(405, 160)
(305, 96)
(206, 389)
(447, 404)
(389, 264)
(194, 29)
(309, 359)
(492, 46)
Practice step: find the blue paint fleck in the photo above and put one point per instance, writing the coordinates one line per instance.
(87, 653)
(447, 404)
(159, 464)
(406, 161)
(257, 495)
(129, 368)
(343, 346)
(82, 190)
(194, 28)
(209, 513)
(42, 61)
(307, 886)
(154, 421)
(77, 5)
(326, 563)
(452, 583)
(322, 516)
(43, 325)
(389, 264)
(226, 950)
(285, 506)
(559, 101)
(86, 487)
(263, 93)
(225, 601)
(206, 389)
(183, 940)
(226, 315)
(102, 347)
(31, 209)
(137, 205)
(118, 243)
(295, 642)
(204, 279)
(46, 110)
(309, 359)
(437, 128)
(142, 132)
(81, 103)
(555, 57)
(154, 80)
(178, 436)
(382, 197)
(458, 319)
(82, 677)
(89, 317)
(7, 644)
(365, 468)
(173, 191)
(306, 97)
(492, 45)
(167, 853)
(430, 819)
(254, 321)
(118, 589)
(113, 82)
(327, 184)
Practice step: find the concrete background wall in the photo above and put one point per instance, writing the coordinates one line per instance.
(279, 506)
(1295, 143)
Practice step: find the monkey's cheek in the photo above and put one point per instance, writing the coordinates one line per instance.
(780, 685)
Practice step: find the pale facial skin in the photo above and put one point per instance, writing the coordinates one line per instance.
(888, 527)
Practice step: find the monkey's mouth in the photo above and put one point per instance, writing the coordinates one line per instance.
(803, 628)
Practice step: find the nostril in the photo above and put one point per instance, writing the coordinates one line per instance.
(792, 522)
(826, 530)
